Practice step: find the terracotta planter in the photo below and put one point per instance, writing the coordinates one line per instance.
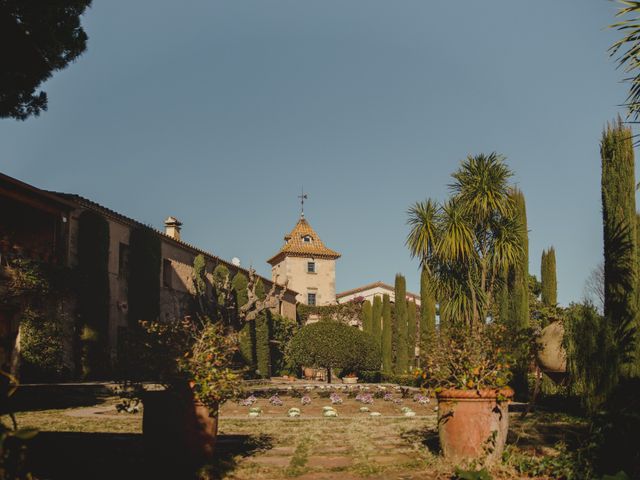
(350, 380)
(175, 424)
(473, 425)
(309, 372)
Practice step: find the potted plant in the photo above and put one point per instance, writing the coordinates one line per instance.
(350, 378)
(191, 360)
(469, 374)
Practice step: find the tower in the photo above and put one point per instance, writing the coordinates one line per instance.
(307, 264)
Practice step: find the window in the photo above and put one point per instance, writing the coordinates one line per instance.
(167, 272)
(311, 299)
(306, 239)
(311, 267)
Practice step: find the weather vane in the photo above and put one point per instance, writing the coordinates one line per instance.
(303, 196)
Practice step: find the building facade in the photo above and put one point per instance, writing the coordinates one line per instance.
(306, 265)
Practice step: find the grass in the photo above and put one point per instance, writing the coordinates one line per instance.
(282, 448)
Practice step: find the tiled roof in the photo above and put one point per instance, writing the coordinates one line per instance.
(86, 203)
(295, 244)
(371, 286)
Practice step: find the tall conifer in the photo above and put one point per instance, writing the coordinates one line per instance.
(387, 352)
(519, 276)
(376, 320)
(400, 321)
(549, 292)
(411, 334)
(367, 317)
(427, 314)
(619, 228)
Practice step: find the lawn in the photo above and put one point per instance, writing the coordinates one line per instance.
(96, 442)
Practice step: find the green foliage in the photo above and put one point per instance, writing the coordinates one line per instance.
(367, 322)
(145, 261)
(93, 291)
(376, 319)
(42, 345)
(282, 331)
(400, 318)
(329, 344)
(619, 226)
(341, 312)
(472, 474)
(468, 240)
(427, 314)
(387, 345)
(247, 345)
(239, 284)
(263, 349)
(549, 288)
(469, 362)
(518, 281)
(596, 350)
(43, 40)
(412, 314)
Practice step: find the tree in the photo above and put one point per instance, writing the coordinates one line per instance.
(400, 326)
(627, 49)
(39, 38)
(518, 281)
(548, 277)
(619, 227)
(411, 333)
(427, 314)
(466, 242)
(594, 288)
(376, 319)
(330, 344)
(387, 341)
(367, 322)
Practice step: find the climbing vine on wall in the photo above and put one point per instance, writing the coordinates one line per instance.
(343, 312)
(144, 275)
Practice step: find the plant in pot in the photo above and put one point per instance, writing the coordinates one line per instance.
(469, 375)
(191, 359)
(350, 378)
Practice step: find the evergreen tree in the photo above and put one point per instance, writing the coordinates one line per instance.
(619, 228)
(400, 324)
(548, 278)
(262, 334)
(367, 322)
(427, 314)
(411, 334)
(519, 275)
(387, 348)
(376, 320)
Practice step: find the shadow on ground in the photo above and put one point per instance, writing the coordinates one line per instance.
(75, 455)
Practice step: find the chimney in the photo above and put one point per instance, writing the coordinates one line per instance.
(172, 227)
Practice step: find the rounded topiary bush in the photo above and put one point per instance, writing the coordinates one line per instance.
(330, 344)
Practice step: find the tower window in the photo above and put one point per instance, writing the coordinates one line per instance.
(311, 299)
(306, 239)
(311, 267)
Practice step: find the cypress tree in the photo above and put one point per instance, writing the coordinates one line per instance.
(376, 320)
(93, 298)
(427, 314)
(262, 334)
(548, 278)
(248, 334)
(367, 313)
(400, 323)
(619, 229)
(519, 276)
(411, 334)
(387, 348)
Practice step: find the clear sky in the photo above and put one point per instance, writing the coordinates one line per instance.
(218, 111)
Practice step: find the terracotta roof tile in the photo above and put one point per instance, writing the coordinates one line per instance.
(303, 241)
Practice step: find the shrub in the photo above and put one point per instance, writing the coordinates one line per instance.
(329, 344)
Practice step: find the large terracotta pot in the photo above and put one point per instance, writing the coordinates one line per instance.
(473, 425)
(350, 380)
(175, 424)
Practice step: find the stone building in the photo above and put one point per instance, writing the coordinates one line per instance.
(307, 265)
(44, 226)
(372, 290)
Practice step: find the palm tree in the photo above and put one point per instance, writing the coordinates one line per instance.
(627, 50)
(465, 242)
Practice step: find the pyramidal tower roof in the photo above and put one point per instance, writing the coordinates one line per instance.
(303, 241)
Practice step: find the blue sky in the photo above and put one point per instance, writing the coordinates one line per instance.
(218, 111)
